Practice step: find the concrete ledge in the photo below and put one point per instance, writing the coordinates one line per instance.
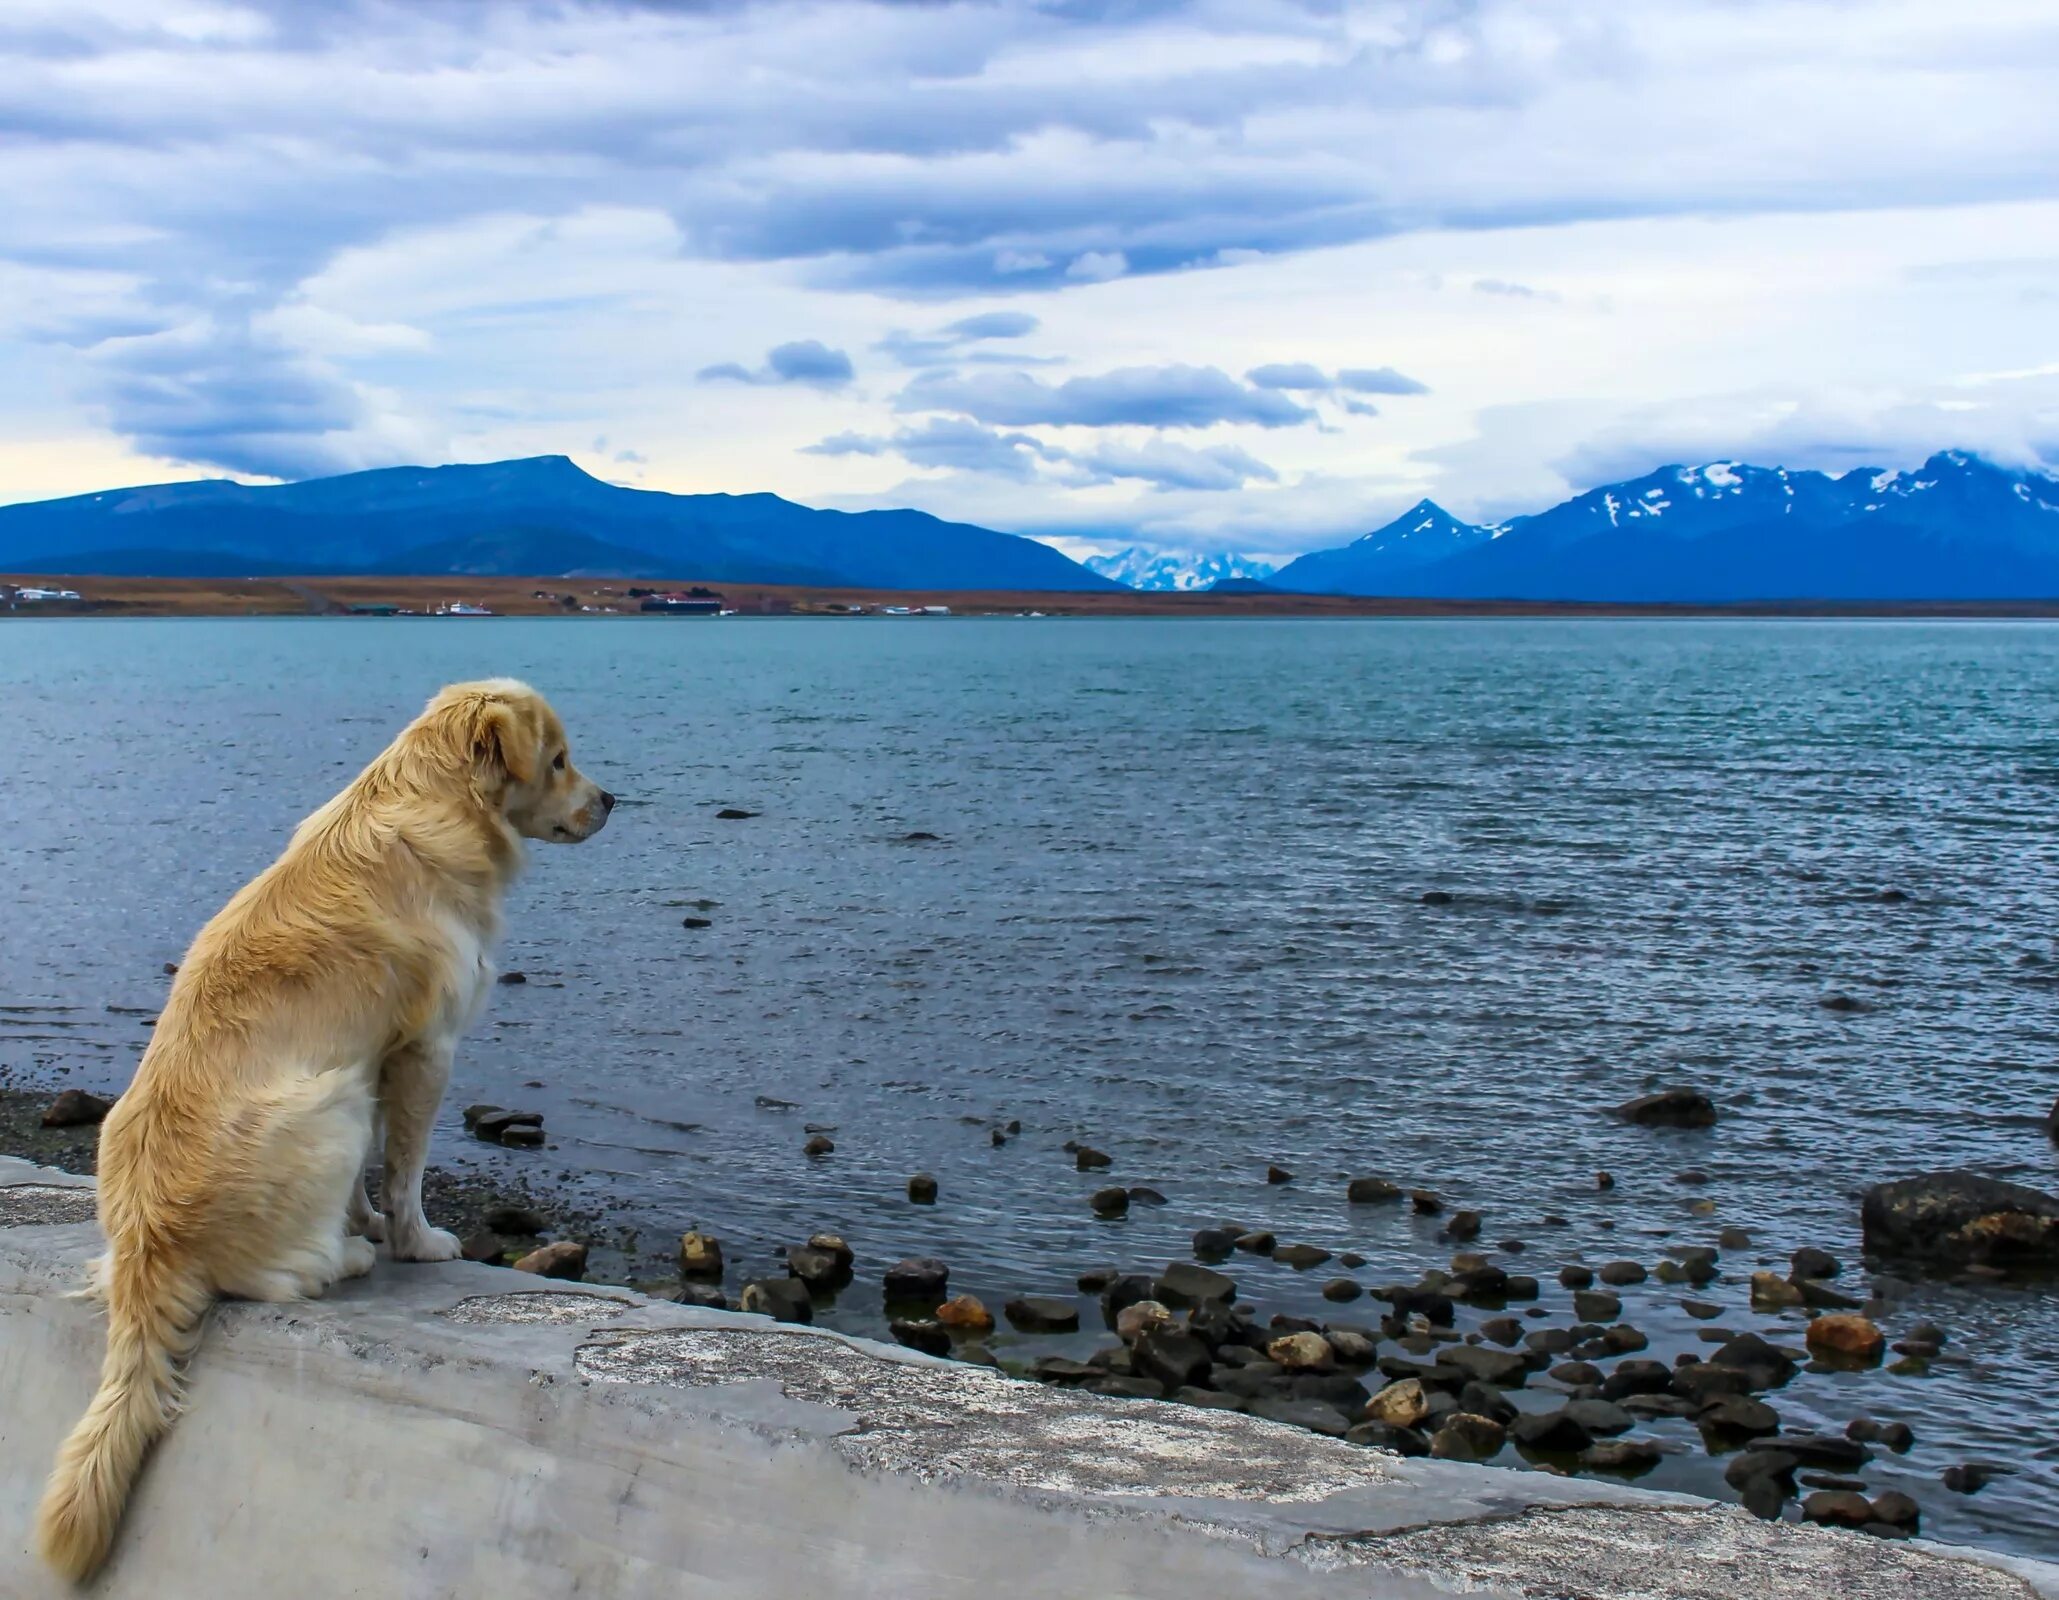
(468, 1431)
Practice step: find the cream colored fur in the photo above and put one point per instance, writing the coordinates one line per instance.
(325, 998)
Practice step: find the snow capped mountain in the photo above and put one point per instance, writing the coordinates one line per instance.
(1175, 569)
(1958, 527)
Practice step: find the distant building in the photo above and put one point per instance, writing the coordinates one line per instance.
(32, 596)
(696, 602)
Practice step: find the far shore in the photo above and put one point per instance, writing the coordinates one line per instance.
(612, 599)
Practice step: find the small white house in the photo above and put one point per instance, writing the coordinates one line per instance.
(29, 596)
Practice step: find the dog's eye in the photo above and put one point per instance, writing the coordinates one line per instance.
(560, 762)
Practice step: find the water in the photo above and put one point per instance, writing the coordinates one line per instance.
(1173, 909)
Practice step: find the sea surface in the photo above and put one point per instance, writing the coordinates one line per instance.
(1158, 886)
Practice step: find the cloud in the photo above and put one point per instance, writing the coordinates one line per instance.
(1288, 375)
(1379, 380)
(1512, 291)
(948, 344)
(994, 325)
(806, 361)
(1097, 266)
(957, 445)
(1160, 397)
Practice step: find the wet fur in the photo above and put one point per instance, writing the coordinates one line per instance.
(323, 1000)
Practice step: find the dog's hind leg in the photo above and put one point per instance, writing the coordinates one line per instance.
(363, 1218)
(411, 1082)
(286, 1168)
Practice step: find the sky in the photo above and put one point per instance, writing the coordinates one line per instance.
(1234, 277)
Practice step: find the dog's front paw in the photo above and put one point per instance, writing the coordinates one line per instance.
(424, 1243)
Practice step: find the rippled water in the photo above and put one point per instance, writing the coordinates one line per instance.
(1173, 907)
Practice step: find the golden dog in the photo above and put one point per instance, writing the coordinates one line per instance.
(330, 989)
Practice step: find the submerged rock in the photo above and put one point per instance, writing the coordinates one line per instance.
(781, 1299)
(917, 1278)
(1848, 1335)
(931, 1338)
(1680, 1107)
(1114, 1201)
(1464, 1436)
(922, 1189)
(1185, 1284)
(1959, 1219)
(1042, 1313)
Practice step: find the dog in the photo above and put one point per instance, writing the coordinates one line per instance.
(324, 998)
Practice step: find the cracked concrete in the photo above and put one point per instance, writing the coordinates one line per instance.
(457, 1430)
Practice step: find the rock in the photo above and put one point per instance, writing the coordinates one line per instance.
(1095, 1279)
(1771, 1292)
(1465, 1437)
(512, 978)
(1371, 1191)
(1171, 1356)
(1832, 1480)
(1301, 1256)
(1088, 1159)
(517, 1220)
(1626, 1456)
(1823, 1450)
(1623, 1339)
(1482, 1400)
(734, 814)
(1576, 1374)
(1670, 1108)
(1399, 1405)
(1636, 1376)
(1970, 1477)
(931, 1338)
(1501, 1330)
(1352, 1346)
(1604, 1181)
(1062, 1369)
(1042, 1313)
(1113, 1201)
(1126, 1290)
(1184, 1284)
(820, 1145)
(473, 1113)
(1748, 1464)
(1425, 1203)
(917, 1278)
(818, 1268)
(1463, 1225)
(1256, 1243)
(1809, 1262)
(1502, 1368)
(1551, 1432)
(1128, 1388)
(1549, 1341)
(1213, 1244)
(523, 1136)
(1763, 1497)
(1658, 1405)
(1734, 1239)
(1435, 897)
(1896, 1509)
(1208, 1399)
(1278, 1175)
(1142, 1194)
(697, 922)
(564, 1259)
(1701, 1310)
(705, 1295)
(1483, 1282)
(1820, 1296)
(1133, 1321)
(1740, 1414)
(965, 1316)
(1576, 1277)
(1707, 1381)
(1341, 1289)
(922, 1189)
(1302, 1352)
(1600, 1417)
(1618, 1274)
(75, 1108)
(494, 1124)
(1764, 1366)
(1846, 1334)
(1896, 1436)
(781, 1299)
(1956, 1220)
(1521, 1286)
(482, 1247)
(1597, 1305)
(1379, 1436)
(1314, 1415)
(1837, 1508)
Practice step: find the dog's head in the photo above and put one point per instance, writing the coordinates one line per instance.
(515, 748)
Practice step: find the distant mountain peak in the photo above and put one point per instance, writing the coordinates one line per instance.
(1161, 570)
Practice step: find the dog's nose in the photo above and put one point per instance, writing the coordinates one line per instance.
(607, 801)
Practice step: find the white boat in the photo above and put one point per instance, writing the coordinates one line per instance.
(461, 608)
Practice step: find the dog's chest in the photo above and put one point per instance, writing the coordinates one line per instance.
(470, 973)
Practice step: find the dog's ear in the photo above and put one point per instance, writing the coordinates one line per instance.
(504, 738)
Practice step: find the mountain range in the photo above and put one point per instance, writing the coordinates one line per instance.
(1161, 570)
(539, 517)
(1957, 528)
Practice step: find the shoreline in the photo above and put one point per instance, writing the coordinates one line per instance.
(1585, 1393)
(611, 599)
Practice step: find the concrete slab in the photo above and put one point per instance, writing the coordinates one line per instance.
(463, 1430)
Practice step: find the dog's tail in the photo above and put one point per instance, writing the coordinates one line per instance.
(154, 1312)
